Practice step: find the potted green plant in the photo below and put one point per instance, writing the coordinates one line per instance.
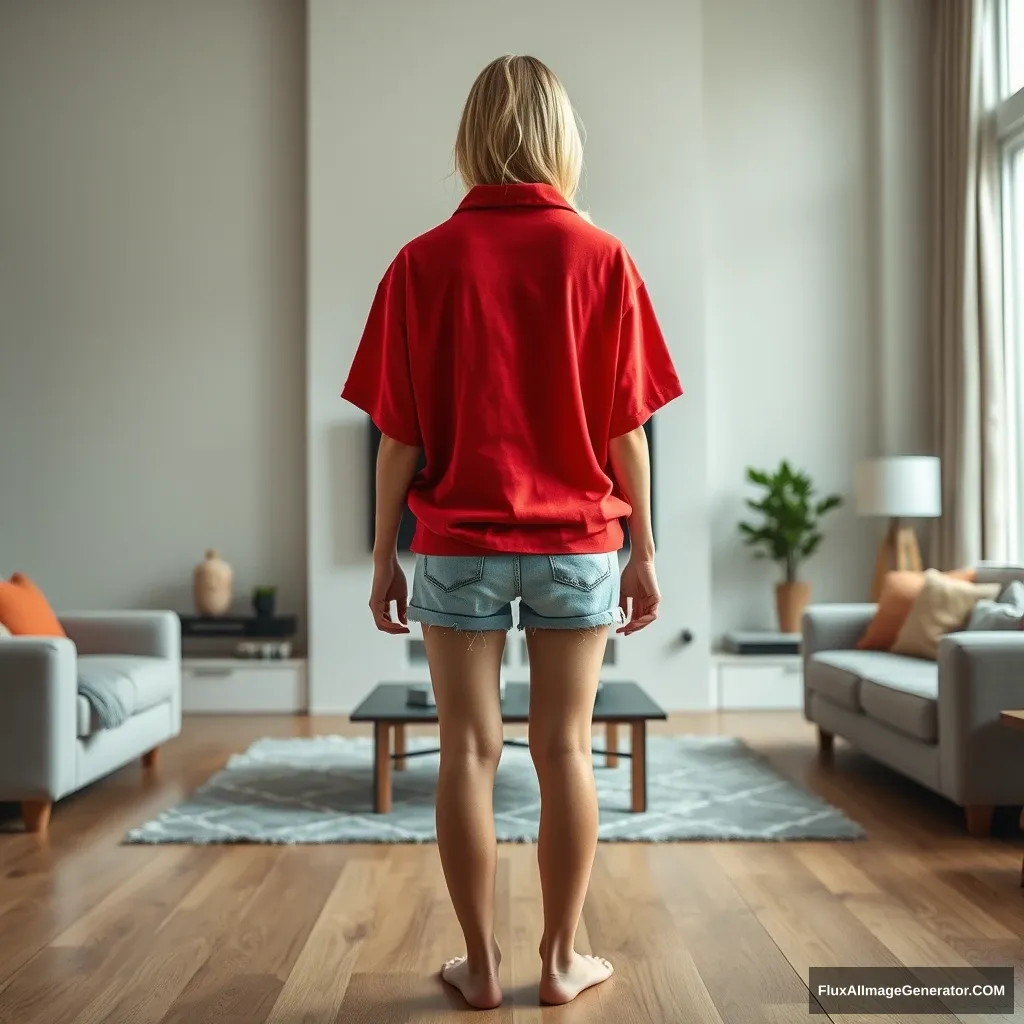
(263, 601)
(789, 532)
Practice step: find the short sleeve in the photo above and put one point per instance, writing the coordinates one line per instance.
(645, 379)
(380, 379)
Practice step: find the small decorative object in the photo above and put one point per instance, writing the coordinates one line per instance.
(900, 488)
(212, 583)
(788, 534)
(272, 651)
(420, 695)
(263, 601)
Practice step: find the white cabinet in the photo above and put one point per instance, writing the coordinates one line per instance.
(756, 682)
(243, 686)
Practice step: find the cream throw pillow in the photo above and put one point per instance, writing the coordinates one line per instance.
(4, 631)
(943, 606)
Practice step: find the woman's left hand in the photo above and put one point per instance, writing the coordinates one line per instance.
(389, 585)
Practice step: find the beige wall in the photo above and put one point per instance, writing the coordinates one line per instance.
(152, 296)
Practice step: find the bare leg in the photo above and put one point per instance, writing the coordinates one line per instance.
(564, 670)
(464, 668)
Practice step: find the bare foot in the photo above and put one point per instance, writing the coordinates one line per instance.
(563, 986)
(480, 989)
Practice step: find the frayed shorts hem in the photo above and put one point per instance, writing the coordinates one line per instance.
(607, 618)
(503, 620)
(461, 623)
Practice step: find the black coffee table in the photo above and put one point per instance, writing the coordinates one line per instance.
(617, 704)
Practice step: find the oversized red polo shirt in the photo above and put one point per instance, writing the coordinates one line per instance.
(511, 343)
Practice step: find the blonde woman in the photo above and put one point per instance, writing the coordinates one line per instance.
(516, 348)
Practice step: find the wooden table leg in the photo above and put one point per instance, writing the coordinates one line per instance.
(381, 768)
(400, 748)
(1022, 861)
(611, 745)
(639, 765)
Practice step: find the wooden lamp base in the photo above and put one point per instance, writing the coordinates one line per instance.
(898, 551)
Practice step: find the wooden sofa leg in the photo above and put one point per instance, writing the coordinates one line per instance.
(149, 758)
(979, 820)
(36, 815)
(826, 741)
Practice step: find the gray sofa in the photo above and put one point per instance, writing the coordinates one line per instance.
(52, 742)
(935, 722)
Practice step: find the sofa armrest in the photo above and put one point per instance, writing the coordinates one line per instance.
(830, 627)
(146, 634)
(38, 718)
(834, 627)
(980, 674)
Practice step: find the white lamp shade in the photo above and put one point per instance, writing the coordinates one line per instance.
(905, 487)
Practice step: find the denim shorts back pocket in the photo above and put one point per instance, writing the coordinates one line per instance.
(453, 572)
(582, 572)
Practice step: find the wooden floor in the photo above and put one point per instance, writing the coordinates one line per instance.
(93, 931)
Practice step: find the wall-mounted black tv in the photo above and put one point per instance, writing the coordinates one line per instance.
(408, 525)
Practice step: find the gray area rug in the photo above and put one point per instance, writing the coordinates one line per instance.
(320, 791)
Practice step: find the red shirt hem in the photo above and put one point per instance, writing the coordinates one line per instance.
(516, 542)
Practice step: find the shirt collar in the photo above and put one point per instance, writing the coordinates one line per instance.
(489, 197)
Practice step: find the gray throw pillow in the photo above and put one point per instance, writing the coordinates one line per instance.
(1006, 612)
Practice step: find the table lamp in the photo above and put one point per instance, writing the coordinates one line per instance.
(899, 488)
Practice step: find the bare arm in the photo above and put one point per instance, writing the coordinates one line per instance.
(396, 466)
(631, 465)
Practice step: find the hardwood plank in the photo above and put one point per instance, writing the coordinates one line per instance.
(526, 926)
(739, 964)
(400, 941)
(56, 983)
(405, 997)
(812, 927)
(243, 978)
(315, 988)
(148, 982)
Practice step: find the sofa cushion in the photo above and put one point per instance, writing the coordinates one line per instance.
(24, 609)
(140, 683)
(943, 606)
(835, 675)
(1006, 612)
(903, 694)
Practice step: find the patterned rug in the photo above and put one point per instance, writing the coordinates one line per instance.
(320, 790)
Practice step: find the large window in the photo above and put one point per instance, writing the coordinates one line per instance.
(1012, 45)
(1010, 122)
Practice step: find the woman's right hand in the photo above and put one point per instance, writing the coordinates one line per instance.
(639, 595)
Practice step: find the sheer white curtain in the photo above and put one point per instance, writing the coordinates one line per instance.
(971, 397)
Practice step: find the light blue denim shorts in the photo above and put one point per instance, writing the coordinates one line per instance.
(475, 593)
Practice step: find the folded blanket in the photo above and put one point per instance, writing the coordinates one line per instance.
(110, 693)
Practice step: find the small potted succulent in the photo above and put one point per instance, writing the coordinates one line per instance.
(263, 601)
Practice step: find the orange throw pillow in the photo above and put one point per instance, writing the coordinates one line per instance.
(899, 592)
(24, 609)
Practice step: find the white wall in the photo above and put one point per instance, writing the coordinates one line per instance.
(901, 107)
(152, 349)
(815, 124)
(386, 85)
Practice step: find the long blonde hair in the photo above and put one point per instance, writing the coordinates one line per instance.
(519, 126)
